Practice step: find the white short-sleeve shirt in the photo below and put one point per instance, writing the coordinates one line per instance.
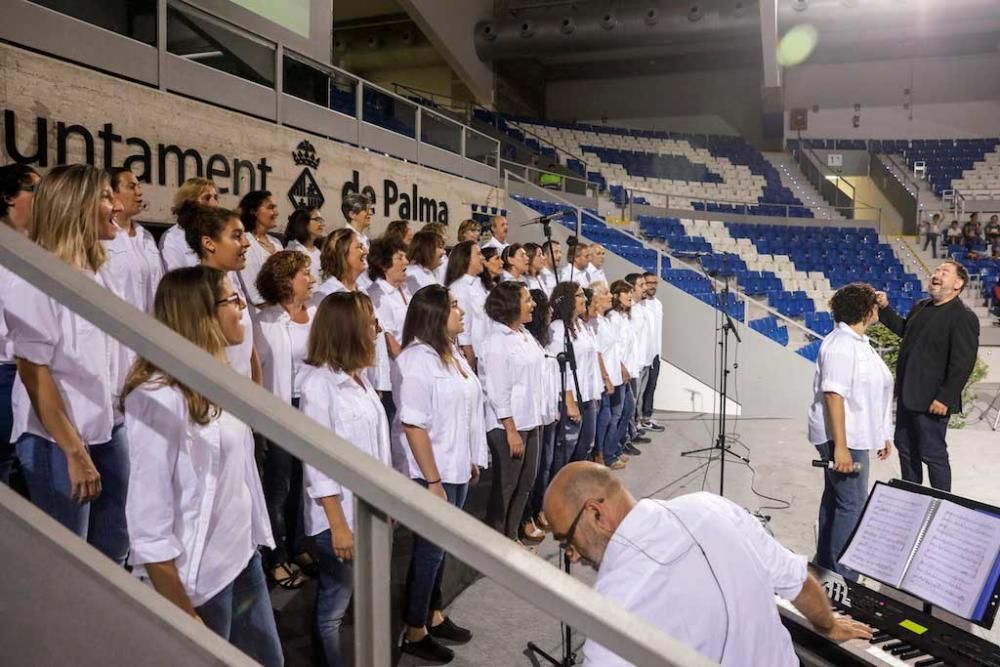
(588, 370)
(510, 368)
(578, 276)
(281, 346)
(849, 366)
(419, 276)
(390, 307)
(175, 250)
(239, 356)
(624, 329)
(607, 345)
(257, 254)
(704, 571)
(471, 295)
(314, 255)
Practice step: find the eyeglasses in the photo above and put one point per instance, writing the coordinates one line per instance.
(566, 542)
(233, 299)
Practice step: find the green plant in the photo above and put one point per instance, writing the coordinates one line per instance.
(886, 344)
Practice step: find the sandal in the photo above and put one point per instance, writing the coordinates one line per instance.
(307, 565)
(291, 581)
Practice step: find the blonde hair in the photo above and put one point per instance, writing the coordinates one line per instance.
(340, 336)
(190, 190)
(64, 214)
(185, 302)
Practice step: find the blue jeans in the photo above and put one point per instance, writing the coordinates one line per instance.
(608, 418)
(101, 522)
(619, 434)
(241, 614)
(574, 440)
(839, 509)
(423, 580)
(333, 595)
(8, 456)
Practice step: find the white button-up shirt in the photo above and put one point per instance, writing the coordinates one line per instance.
(280, 350)
(437, 398)
(78, 354)
(848, 365)
(595, 274)
(704, 571)
(313, 253)
(257, 254)
(548, 280)
(578, 276)
(328, 286)
(149, 265)
(354, 412)
(239, 356)
(419, 276)
(174, 508)
(588, 370)
(656, 308)
(175, 250)
(510, 368)
(6, 344)
(607, 345)
(624, 328)
(642, 325)
(122, 275)
(471, 295)
(495, 243)
(390, 306)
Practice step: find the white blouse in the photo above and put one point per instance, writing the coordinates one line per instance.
(6, 344)
(257, 254)
(625, 335)
(642, 313)
(418, 276)
(548, 280)
(175, 250)
(333, 399)
(511, 369)
(551, 386)
(436, 397)
(314, 255)
(390, 308)
(194, 494)
(145, 266)
(534, 282)
(281, 347)
(77, 353)
(239, 356)
(607, 345)
(329, 286)
(579, 277)
(471, 295)
(506, 275)
(588, 370)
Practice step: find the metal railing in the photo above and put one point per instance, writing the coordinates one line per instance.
(381, 491)
(662, 252)
(812, 168)
(566, 184)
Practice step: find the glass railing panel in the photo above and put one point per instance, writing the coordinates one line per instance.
(135, 19)
(480, 148)
(441, 133)
(389, 112)
(202, 40)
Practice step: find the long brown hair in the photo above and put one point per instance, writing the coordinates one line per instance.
(427, 320)
(341, 336)
(64, 214)
(186, 302)
(333, 255)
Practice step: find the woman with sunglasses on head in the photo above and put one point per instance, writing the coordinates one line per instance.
(441, 429)
(281, 333)
(387, 269)
(174, 247)
(465, 264)
(342, 262)
(425, 253)
(259, 215)
(305, 232)
(337, 395)
(196, 511)
(511, 367)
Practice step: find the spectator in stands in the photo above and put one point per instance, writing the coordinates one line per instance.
(143, 266)
(259, 214)
(358, 210)
(174, 247)
(492, 268)
(938, 352)
(196, 511)
(548, 272)
(305, 232)
(511, 367)
(576, 268)
(498, 228)
(995, 303)
(992, 232)
(624, 328)
(654, 309)
(469, 230)
(217, 235)
(424, 254)
(536, 262)
(465, 264)
(595, 270)
(851, 415)
(342, 261)
(610, 410)
(390, 297)
(515, 263)
(281, 334)
(442, 430)
(75, 465)
(337, 395)
(971, 233)
(18, 183)
(931, 233)
(540, 327)
(401, 231)
(651, 557)
(954, 233)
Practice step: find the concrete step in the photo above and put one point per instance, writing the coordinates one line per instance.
(793, 179)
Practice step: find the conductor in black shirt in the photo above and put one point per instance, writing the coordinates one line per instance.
(937, 354)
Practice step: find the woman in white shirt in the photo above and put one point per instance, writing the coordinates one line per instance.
(196, 513)
(424, 254)
(511, 367)
(515, 263)
(305, 232)
(465, 264)
(143, 265)
(342, 261)
(851, 415)
(492, 267)
(610, 411)
(337, 395)
(441, 428)
(536, 262)
(387, 270)
(62, 395)
(534, 524)
(619, 317)
(281, 335)
(259, 215)
(174, 247)
(17, 189)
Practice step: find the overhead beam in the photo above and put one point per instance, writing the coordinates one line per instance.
(769, 42)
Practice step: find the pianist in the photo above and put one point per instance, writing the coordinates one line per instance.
(698, 567)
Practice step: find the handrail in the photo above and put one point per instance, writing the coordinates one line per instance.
(547, 142)
(662, 252)
(453, 104)
(539, 170)
(840, 178)
(381, 491)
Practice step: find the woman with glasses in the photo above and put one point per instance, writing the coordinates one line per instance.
(259, 214)
(337, 395)
(441, 430)
(173, 243)
(196, 511)
(305, 232)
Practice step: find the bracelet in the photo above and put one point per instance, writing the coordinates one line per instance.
(437, 481)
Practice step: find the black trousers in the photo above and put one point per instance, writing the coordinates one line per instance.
(920, 439)
(513, 480)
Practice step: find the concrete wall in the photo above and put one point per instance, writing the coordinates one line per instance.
(143, 119)
(866, 192)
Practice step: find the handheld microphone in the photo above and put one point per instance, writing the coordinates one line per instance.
(829, 464)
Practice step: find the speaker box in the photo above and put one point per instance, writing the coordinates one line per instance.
(798, 120)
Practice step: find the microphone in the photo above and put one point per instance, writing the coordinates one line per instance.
(543, 219)
(828, 464)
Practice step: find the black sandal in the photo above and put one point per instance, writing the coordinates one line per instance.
(291, 582)
(307, 565)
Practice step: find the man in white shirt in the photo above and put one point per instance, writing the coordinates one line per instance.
(576, 269)
(654, 310)
(698, 567)
(547, 275)
(595, 272)
(498, 238)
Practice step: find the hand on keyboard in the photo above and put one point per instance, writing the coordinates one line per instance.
(845, 628)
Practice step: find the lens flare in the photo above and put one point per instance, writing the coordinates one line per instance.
(797, 44)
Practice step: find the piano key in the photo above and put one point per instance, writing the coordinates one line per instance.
(929, 662)
(899, 649)
(876, 656)
(893, 645)
(914, 653)
(881, 639)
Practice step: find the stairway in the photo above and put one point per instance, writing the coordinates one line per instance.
(793, 179)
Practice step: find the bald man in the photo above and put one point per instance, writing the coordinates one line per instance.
(698, 567)
(498, 231)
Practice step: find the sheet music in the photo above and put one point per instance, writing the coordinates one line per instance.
(885, 535)
(955, 558)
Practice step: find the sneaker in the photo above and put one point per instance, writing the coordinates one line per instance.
(641, 439)
(447, 631)
(428, 649)
(617, 465)
(656, 428)
(632, 450)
